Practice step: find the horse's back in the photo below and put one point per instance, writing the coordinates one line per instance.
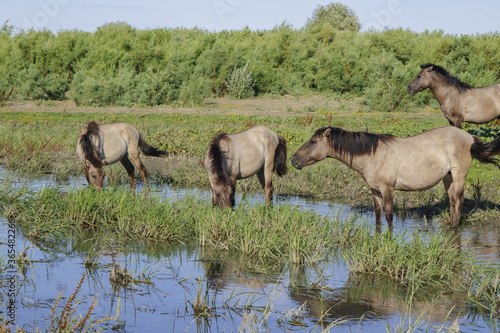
(418, 162)
(251, 148)
(115, 140)
(481, 105)
(421, 161)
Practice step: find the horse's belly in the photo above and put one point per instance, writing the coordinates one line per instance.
(113, 157)
(419, 182)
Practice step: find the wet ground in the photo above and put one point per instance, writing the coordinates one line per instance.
(236, 292)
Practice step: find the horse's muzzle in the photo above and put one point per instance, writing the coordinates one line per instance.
(410, 91)
(296, 164)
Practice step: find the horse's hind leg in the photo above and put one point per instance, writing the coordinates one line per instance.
(265, 179)
(130, 170)
(454, 186)
(134, 156)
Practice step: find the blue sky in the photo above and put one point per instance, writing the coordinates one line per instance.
(453, 17)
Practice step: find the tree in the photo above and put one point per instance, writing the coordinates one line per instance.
(333, 15)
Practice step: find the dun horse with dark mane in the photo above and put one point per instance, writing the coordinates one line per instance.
(257, 150)
(104, 144)
(389, 163)
(459, 101)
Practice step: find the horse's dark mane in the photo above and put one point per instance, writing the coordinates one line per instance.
(218, 164)
(87, 147)
(452, 80)
(352, 144)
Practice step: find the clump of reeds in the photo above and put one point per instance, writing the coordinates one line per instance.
(200, 304)
(67, 321)
(410, 259)
(22, 260)
(120, 276)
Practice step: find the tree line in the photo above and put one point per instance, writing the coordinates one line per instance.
(123, 66)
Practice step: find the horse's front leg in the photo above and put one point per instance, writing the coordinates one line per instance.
(377, 207)
(388, 196)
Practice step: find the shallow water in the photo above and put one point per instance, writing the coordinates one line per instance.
(235, 296)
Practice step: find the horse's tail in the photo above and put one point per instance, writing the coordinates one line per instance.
(149, 150)
(217, 161)
(87, 146)
(280, 157)
(484, 152)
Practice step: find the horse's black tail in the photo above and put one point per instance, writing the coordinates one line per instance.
(484, 152)
(149, 150)
(217, 161)
(280, 157)
(87, 147)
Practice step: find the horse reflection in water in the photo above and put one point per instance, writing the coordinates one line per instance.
(230, 157)
(459, 101)
(415, 163)
(103, 144)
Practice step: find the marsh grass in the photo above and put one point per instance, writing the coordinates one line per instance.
(71, 318)
(415, 261)
(68, 321)
(278, 233)
(412, 259)
(30, 148)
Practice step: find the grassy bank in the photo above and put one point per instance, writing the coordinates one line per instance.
(416, 261)
(44, 142)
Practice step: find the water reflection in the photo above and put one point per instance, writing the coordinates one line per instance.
(230, 284)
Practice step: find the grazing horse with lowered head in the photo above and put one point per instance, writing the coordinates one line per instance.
(459, 101)
(414, 163)
(257, 150)
(103, 144)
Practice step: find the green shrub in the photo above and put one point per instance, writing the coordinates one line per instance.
(240, 83)
(121, 65)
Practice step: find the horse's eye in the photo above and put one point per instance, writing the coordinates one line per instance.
(94, 176)
(418, 76)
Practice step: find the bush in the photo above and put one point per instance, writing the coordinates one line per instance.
(240, 83)
(120, 65)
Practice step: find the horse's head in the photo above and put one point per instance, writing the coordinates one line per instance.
(96, 176)
(314, 150)
(423, 79)
(222, 195)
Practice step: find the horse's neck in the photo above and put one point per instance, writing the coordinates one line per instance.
(443, 91)
(357, 163)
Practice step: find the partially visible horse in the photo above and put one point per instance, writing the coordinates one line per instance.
(230, 157)
(414, 163)
(103, 144)
(459, 101)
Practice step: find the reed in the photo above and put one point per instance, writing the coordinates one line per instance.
(279, 233)
(411, 259)
(68, 321)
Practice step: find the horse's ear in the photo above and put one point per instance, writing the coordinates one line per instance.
(327, 131)
(430, 68)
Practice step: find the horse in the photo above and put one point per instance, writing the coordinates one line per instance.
(459, 101)
(104, 144)
(414, 163)
(230, 157)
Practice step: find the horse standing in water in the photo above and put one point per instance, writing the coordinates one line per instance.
(459, 101)
(104, 144)
(414, 163)
(257, 150)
